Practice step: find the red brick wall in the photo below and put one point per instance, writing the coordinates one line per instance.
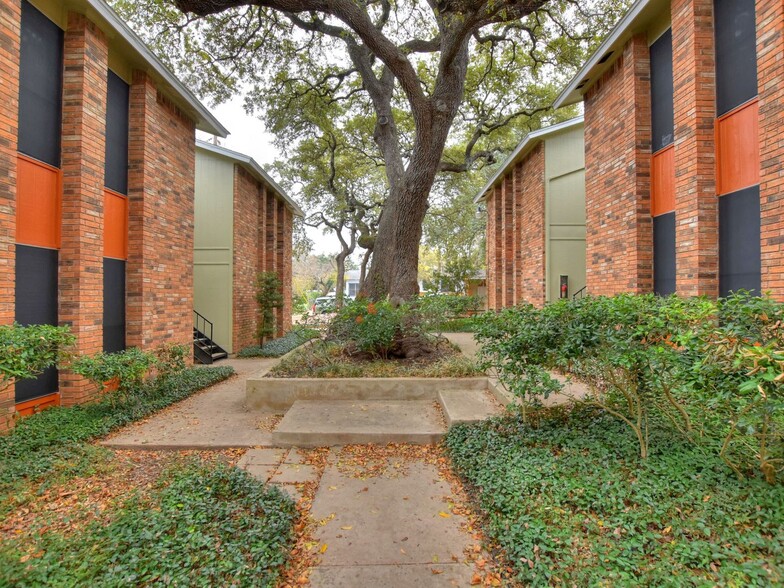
(509, 243)
(617, 169)
(519, 222)
(770, 75)
(86, 57)
(262, 230)
(284, 271)
(246, 257)
(159, 278)
(532, 244)
(696, 204)
(280, 260)
(490, 247)
(10, 19)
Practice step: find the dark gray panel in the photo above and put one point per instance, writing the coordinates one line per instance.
(736, 53)
(662, 109)
(113, 305)
(664, 254)
(36, 304)
(40, 86)
(117, 104)
(740, 264)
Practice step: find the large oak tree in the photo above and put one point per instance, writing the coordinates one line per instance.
(439, 76)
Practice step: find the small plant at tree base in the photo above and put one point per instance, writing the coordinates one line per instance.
(27, 351)
(170, 359)
(269, 295)
(126, 369)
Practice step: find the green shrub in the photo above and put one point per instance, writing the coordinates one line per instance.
(269, 295)
(27, 351)
(201, 525)
(125, 369)
(171, 359)
(372, 327)
(708, 368)
(570, 503)
(56, 436)
(280, 346)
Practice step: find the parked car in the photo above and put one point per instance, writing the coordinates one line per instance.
(323, 305)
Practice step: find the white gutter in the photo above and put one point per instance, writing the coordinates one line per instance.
(253, 167)
(528, 143)
(205, 120)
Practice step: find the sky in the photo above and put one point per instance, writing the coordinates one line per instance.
(249, 136)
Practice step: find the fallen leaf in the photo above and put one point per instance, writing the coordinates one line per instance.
(476, 579)
(347, 527)
(435, 572)
(443, 514)
(323, 548)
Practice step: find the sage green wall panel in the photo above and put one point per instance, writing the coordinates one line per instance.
(570, 232)
(567, 199)
(216, 255)
(565, 153)
(214, 209)
(212, 299)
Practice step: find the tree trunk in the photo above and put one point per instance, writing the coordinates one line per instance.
(340, 285)
(363, 267)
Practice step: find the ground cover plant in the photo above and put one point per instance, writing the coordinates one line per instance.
(282, 345)
(568, 499)
(196, 523)
(57, 439)
(26, 351)
(712, 370)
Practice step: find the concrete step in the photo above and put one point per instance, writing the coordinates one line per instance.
(323, 423)
(467, 406)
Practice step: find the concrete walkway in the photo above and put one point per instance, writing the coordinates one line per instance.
(215, 418)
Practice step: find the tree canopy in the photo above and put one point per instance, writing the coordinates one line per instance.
(437, 86)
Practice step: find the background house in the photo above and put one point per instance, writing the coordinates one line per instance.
(243, 226)
(536, 218)
(684, 111)
(96, 188)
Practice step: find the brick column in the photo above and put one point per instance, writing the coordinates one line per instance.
(490, 250)
(508, 241)
(10, 22)
(262, 229)
(81, 253)
(269, 229)
(619, 243)
(519, 223)
(279, 262)
(770, 75)
(533, 228)
(159, 271)
(285, 268)
(498, 247)
(696, 203)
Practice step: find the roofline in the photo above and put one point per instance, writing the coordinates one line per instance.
(572, 94)
(251, 165)
(523, 148)
(206, 122)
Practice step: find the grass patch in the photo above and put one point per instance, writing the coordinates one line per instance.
(200, 525)
(571, 503)
(281, 346)
(58, 439)
(329, 360)
(459, 325)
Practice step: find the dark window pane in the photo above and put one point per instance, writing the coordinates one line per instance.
(739, 241)
(662, 118)
(736, 53)
(113, 305)
(664, 254)
(116, 171)
(40, 86)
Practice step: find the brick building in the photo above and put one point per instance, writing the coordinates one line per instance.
(243, 226)
(96, 188)
(535, 206)
(684, 149)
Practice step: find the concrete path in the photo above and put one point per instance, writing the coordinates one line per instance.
(215, 418)
(465, 341)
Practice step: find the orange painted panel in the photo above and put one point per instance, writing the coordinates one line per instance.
(37, 204)
(115, 225)
(663, 181)
(36, 405)
(737, 149)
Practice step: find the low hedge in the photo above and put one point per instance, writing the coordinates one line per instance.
(571, 503)
(280, 346)
(201, 525)
(59, 435)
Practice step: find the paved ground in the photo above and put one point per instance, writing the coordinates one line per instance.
(465, 341)
(214, 418)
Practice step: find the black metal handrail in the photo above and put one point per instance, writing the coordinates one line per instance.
(580, 293)
(202, 327)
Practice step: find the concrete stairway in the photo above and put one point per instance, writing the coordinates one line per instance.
(318, 423)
